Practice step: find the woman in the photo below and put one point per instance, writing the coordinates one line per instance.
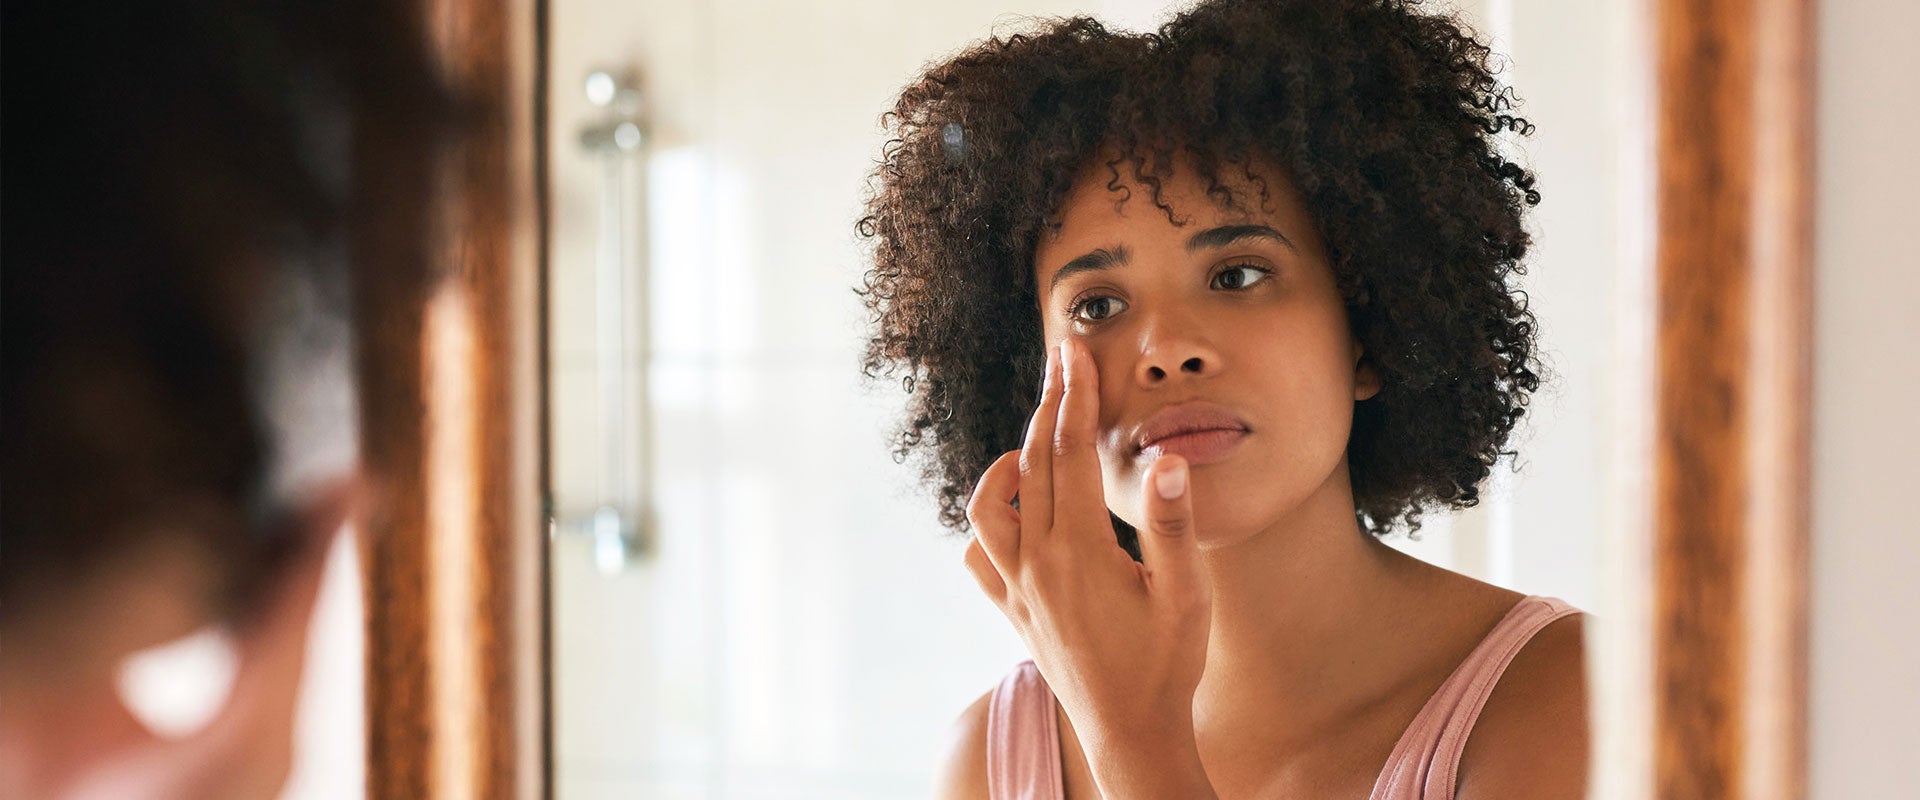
(1258, 263)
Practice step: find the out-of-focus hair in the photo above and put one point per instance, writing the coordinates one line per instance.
(169, 167)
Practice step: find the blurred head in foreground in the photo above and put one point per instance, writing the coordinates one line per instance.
(178, 405)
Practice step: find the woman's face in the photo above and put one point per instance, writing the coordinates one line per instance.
(1231, 323)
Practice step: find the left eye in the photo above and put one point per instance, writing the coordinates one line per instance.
(1239, 277)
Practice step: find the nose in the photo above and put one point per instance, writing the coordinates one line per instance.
(1168, 352)
(1156, 373)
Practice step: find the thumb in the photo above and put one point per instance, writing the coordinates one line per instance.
(1167, 545)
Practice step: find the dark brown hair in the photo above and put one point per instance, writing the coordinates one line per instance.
(1384, 115)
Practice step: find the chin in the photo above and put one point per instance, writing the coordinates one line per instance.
(1222, 527)
(1218, 520)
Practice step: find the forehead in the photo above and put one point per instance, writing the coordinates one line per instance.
(1104, 210)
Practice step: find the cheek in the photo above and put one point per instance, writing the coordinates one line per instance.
(1304, 361)
(1307, 393)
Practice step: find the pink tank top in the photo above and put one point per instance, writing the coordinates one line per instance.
(1023, 740)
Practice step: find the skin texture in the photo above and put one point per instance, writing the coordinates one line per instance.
(1267, 647)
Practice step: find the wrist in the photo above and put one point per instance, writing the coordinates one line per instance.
(1160, 764)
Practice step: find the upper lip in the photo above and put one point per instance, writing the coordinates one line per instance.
(1184, 418)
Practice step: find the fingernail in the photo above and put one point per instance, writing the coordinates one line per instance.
(1173, 482)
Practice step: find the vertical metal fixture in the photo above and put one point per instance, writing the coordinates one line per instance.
(617, 522)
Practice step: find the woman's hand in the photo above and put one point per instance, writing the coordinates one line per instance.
(1122, 644)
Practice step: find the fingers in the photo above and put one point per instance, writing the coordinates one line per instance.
(1077, 489)
(1036, 460)
(996, 523)
(984, 573)
(1167, 545)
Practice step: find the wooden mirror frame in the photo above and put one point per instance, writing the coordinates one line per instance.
(1733, 285)
(452, 422)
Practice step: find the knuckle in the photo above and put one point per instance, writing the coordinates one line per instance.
(984, 574)
(976, 519)
(1174, 600)
(1172, 525)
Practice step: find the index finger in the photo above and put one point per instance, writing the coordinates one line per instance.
(1078, 493)
(1036, 460)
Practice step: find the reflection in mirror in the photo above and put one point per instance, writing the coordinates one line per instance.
(754, 598)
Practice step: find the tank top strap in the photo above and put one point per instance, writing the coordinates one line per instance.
(1023, 739)
(1426, 760)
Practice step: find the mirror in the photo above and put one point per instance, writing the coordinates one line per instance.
(750, 597)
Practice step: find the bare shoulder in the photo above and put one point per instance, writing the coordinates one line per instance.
(963, 772)
(1531, 738)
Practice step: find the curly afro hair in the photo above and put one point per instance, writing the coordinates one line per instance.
(1384, 116)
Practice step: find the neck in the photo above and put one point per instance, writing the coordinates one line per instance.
(1302, 614)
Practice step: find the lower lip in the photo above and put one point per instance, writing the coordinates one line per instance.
(1199, 447)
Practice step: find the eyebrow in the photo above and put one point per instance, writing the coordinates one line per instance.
(1234, 234)
(1103, 258)
(1110, 257)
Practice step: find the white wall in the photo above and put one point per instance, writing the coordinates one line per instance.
(803, 629)
(1541, 529)
(1865, 690)
(330, 753)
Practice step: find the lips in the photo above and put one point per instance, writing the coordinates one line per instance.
(1197, 430)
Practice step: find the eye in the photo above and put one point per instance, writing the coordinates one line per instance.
(1248, 275)
(1096, 308)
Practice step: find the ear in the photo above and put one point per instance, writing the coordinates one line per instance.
(1366, 381)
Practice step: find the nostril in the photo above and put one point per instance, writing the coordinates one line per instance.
(1156, 372)
(1190, 365)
